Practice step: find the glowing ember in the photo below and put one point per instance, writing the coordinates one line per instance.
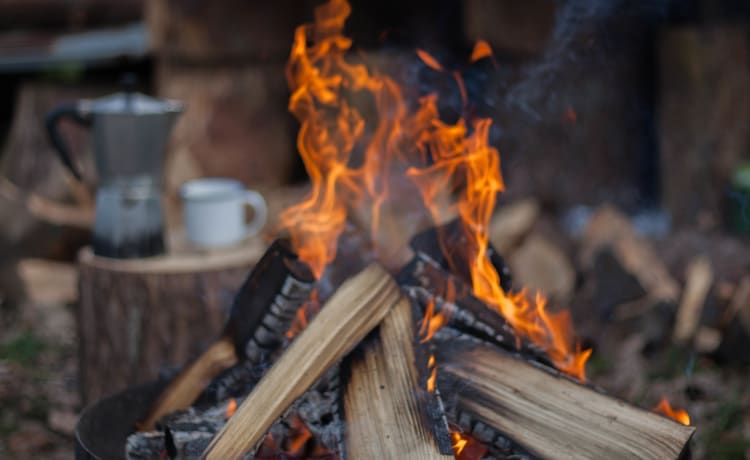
(458, 443)
(665, 408)
(231, 408)
(352, 157)
(466, 447)
(299, 443)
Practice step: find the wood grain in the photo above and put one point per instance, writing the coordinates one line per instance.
(354, 310)
(556, 418)
(383, 415)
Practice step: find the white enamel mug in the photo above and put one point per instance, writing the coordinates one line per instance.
(215, 211)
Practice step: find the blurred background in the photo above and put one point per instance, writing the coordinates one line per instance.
(624, 134)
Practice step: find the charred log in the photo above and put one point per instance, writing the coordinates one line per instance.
(262, 311)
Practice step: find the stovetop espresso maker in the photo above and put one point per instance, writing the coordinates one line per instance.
(129, 136)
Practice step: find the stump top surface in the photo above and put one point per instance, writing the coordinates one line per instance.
(181, 259)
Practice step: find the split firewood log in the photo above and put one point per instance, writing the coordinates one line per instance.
(385, 417)
(356, 308)
(610, 229)
(698, 280)
(550, 415)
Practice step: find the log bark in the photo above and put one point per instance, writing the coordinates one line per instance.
(357, 307)
(552, 416)
(139, 317)
(384, 414)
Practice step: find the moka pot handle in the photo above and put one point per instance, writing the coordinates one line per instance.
(52, 121)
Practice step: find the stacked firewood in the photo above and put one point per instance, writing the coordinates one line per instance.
(363, 381)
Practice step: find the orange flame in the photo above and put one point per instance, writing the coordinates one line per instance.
(465, 447)
(665, 408)
(432, 322)
(482, 49)
(231, 408)
(335, 136)
(433, 374)
(458, 154)
(429, 60)
(459, 442)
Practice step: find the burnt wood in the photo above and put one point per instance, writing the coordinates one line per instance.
(424, 281)
(355, 309)
(261, 313)
(447, 245)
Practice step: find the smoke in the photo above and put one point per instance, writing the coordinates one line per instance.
(587, 36)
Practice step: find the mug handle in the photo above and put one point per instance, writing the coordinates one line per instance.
(255, 200)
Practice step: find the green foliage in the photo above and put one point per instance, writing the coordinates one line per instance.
(23, 350)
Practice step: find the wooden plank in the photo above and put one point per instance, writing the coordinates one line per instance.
(354, 310)
(384, 416)
(553, 417)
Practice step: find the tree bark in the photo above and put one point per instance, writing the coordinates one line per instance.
(138, 317)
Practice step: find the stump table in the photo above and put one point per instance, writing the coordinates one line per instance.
(138, 318)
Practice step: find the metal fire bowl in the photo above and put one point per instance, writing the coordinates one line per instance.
(104, 426)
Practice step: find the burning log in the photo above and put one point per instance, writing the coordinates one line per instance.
(385, 417)
(552, 416)
(262, 311)
(446, 245)
(354, 310)
(425, 282)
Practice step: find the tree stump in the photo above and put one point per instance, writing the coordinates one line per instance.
(140, 317)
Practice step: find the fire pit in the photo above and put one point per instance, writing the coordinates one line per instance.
(100, 435)
(432, 358)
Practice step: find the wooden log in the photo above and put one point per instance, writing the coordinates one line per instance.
(609, 228)
(425, 282)
(698, 279)
(735, 337)
(704, 111)
(540, 265)
(511, 224)
(262, 311)
(138, 317)
(446, 245)
(354, 310)
(552, 416)
(384, 415)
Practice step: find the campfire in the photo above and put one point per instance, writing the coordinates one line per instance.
(382, 323)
